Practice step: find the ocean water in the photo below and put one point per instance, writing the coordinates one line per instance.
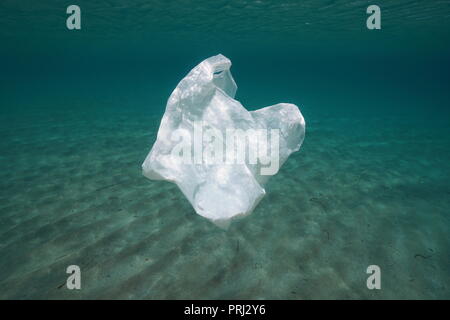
(80, 109)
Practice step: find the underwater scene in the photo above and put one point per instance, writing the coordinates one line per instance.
(360, 211)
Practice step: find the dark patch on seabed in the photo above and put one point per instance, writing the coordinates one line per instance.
(79, 111)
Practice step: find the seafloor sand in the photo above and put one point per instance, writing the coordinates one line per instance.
(360, 192)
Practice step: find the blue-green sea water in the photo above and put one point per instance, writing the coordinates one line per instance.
(80, 109)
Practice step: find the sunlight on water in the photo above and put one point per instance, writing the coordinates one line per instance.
(79, 110)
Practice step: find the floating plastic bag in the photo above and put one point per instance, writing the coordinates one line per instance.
(218, 153)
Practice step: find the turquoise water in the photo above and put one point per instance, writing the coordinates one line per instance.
(370, 185)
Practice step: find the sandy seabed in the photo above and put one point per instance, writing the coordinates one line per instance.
(359, 192)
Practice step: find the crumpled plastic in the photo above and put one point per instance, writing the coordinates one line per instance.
(221, 185)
